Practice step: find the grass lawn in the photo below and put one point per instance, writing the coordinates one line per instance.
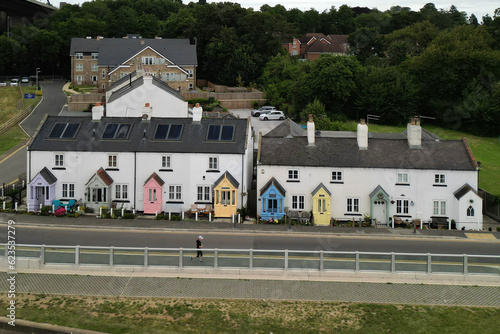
(11, 138)
(485, 149)
(175, 315)
(8, 99)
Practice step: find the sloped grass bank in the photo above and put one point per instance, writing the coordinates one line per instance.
(164, 315)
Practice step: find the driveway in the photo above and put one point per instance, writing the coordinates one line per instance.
(52, 103)
(258, 126)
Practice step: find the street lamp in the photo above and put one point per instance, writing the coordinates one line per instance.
(37, 71)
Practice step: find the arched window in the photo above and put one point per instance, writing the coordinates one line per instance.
(470, 211)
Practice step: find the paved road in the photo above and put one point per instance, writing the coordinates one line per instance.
(229, 238)
(52, 103)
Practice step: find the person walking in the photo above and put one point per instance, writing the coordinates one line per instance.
(199, 253)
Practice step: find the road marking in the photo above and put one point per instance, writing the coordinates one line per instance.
(10, 155)
(480, 236)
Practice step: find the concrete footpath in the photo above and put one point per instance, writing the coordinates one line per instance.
(225, 225)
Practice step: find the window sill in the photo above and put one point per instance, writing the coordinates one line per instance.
(112, 169)
(353, 214)
(440, 185)
(296, 181)
(202, 202)
(174, 202)
(166, 170)
(402, 184)
(58, 168)
(121, 201)
(402, 216)
(337, 182)
(212, 171)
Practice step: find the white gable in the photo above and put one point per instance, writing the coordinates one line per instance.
(161, 102)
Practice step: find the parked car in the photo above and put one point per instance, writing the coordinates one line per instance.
(24, 80)
(272, 115)
(14, 82)
(3, 84)
(262, 110)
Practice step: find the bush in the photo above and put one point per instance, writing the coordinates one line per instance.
(45, 210)
(60, 212)
(176, 217)
(128, 215)
(88, 210)
(498, 228)
(159, 217)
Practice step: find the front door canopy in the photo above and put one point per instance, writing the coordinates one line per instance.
(101, 176)
(229, 177)
(379, 193)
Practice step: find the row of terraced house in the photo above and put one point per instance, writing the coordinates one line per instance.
(145, 149)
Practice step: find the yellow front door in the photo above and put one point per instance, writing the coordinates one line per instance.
(226, 200)
(321, 208)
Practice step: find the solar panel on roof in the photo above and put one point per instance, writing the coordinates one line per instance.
(227, 133)
(57, 130)
(70, 130)
(161, 131)
(213, 132)
(168, 132)
(64, 130)
(116, 131)
(175, 132)
(122, 131)
(109, 131)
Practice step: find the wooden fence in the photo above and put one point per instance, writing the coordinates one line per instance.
(18, 117)
(491, 206)
(80, 102)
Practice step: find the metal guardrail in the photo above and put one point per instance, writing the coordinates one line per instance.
(427, 263)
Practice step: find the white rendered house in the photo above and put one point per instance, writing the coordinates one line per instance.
(152, 158)
(387, 177)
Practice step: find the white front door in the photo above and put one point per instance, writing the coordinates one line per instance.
(379, 211)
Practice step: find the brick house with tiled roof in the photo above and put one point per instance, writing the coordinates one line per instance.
(312, 45)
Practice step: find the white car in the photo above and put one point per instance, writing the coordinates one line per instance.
(25, 80)
(3, 84)
(272, 115)
(14, 82)
(262, 110)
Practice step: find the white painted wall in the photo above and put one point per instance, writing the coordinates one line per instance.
(360, 182)
(163, 103)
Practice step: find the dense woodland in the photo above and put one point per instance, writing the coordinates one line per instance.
(432, 62)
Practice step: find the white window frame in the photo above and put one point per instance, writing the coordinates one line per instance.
(112, 160)
(203, 193)
(121, 191)
(78, 78)
(93, 78)
(298, 202)
(68, 190)
(94, 55)
(402, 206)
(213, 162)
(190, 73)
(440, 178)
(79, 67)
(439, 207)
(148, 60)
(79, 55)
(58, 159)
(337, 176)
(403, 178)
(352, 205)
(103, 74)
(175, 192)
(166, 161)
(94, 67)
(293, 175)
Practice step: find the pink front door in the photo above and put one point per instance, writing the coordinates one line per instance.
(152, 197)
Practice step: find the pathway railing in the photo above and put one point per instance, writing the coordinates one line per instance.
(386, 262)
